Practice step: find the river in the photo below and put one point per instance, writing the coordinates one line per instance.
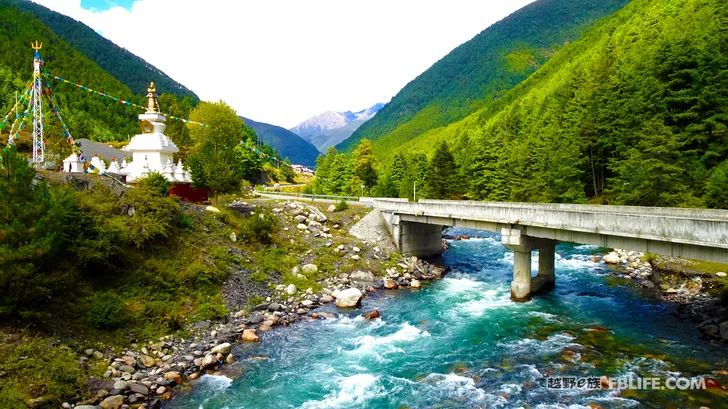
(461, 343)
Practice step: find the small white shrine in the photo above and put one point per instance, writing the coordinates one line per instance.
(151, 151)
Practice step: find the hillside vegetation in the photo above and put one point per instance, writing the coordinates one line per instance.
(290, 145)
(635, 112)
(87, 115)
(480, 70)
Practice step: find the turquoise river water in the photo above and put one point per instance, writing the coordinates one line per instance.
(461, 343)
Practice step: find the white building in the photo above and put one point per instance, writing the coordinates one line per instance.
(151, 150)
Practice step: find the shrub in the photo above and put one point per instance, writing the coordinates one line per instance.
(148, 216)
(342, 205)
(155, 182)
(107, 310)
(260, 227)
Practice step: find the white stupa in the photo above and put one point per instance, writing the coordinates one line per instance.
(152, 150)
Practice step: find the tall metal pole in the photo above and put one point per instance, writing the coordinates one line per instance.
(37, 94)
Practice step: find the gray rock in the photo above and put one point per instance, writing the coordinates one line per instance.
(139, 388)
(724, 330)
(291, 289)
(362, 278)
(274, 306)
(85, 407)
(121, 385)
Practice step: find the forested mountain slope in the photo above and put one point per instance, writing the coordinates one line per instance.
(285, 142)
(122, 64)
(480, 70)
(86, 115)
(635, 112)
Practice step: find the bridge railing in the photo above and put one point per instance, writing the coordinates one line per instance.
(312, 196)
(718, 214)
(702, 227)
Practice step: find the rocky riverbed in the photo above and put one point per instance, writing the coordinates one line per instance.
(676, 281)
(146, 374)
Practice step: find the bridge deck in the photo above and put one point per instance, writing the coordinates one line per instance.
(693, 233)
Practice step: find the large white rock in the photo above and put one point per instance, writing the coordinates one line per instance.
(611, 258)
(348, 298)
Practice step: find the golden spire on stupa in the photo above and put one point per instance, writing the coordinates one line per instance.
(152, 101)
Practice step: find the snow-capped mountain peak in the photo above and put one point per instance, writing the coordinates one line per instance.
(329, 128)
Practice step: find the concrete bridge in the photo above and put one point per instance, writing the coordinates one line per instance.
(691, 233)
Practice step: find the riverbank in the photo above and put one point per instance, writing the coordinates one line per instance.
(309, 261)
(330, 267)
(699, 289)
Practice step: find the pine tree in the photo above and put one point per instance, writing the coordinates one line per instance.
(651, 174)
(442, 174)
(28, 233)
(716, 190)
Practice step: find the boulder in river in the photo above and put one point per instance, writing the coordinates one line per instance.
(348, 298)
(373, 314)
(249, 335)
(611, 258)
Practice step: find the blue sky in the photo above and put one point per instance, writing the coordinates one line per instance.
(101, 5)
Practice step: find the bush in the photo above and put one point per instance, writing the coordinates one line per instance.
(342, 205)
(107, 310)
(148, 216)
(260, 227)
(155, 182)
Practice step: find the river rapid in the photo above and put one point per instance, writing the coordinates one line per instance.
(461, 343)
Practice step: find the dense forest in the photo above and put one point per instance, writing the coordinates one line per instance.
(635, 112)
(480, 70)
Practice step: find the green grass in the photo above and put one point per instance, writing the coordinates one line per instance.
(37, 371)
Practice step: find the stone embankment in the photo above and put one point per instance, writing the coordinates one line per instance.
(145, 375)
(672, 280)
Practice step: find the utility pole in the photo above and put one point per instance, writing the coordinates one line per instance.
(414, 190)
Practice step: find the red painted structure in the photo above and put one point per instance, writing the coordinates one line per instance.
(186, 192)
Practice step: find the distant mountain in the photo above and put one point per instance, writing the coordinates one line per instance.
(128, 68)
(287, 143)
(331, 128)
(480, 70)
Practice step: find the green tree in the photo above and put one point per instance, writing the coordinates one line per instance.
(442, 174)
(29, 234)
(651, 174)
(214, 161)
(364, 164)
(716, 190)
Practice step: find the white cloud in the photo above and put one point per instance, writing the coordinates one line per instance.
(281, 61)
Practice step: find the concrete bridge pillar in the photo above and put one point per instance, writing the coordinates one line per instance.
(546, 278)
(523, 285)
(417, 239)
